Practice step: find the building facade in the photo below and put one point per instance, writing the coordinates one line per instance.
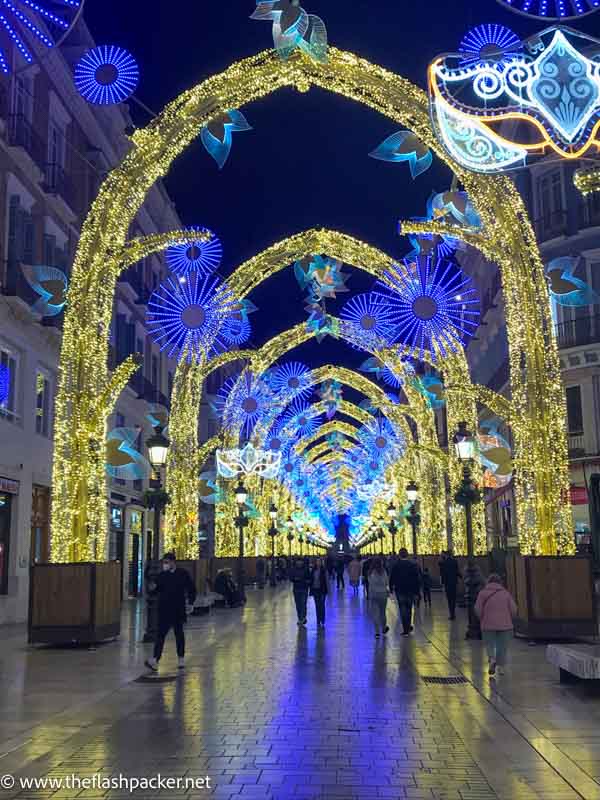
(55, 150)
(566, 225)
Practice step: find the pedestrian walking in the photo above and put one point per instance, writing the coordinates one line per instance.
(340, 566)
(330, 566)
(426, 577)
(415, 561)
(300, 579)
(496, 610)
(449, 574)
(404, 581)
(378, 596)
(176, 592)
(354, 574)
(365, 575)
(318, 589)
(260, 572)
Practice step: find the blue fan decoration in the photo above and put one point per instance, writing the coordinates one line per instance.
(370, 315)
(217, 135)
(292, 377)
(23, 22)
(299, 416)
(405, 146)
(50, 283)
(187, 318)
(565, 288)
(242, 401)
(123, 460)
(106, 75)
(201, 256)
(552, 9)
(488, 43)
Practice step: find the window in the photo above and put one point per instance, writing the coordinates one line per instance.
(56, 144)
(9, 360)
(21, 233)
(550, 195)
(42, 403)
(155, 374)
(574, 410)
(22, 97)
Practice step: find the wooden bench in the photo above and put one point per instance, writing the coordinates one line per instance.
(575, 661)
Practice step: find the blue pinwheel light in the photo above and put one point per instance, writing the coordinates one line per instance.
(217, 135)
(187, 318)
(106, 75)
(202, 256)
(370, 315)
(436, 305)
(292, 377)
(552, 9)
(4, 384)
(488, 43)
(405, 146)
(23, 22)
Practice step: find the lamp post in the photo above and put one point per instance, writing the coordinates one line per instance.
(391, 514)
(380, 535)
(290, 536)
(273, 533)
(412, 493)
(241, 495)
(300, 542)
(156, 499)
(464, 446)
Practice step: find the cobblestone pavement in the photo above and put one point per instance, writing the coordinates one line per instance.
(269, 710)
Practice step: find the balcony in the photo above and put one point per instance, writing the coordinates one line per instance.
(22, 134)
(57, 182)
(576, 445)
(578, 332)
(14, 283)
(551, 225)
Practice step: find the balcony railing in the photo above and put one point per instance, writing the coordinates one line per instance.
(57, 182)
(578, 332)
(22, 134)
(551, 225)
(576, 445)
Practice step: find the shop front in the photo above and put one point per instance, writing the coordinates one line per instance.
(8, 491)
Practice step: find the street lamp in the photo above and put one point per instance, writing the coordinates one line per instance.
(241, 495)
(391, 515)
(273, 533)
(412, 493)
(156, 499)
(290, 536)
(381, 535)
(464, 446)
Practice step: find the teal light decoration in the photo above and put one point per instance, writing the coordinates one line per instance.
(565, 288)
(217, 135)
(405, 146)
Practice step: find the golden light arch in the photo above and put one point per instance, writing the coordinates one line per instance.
(87, 391)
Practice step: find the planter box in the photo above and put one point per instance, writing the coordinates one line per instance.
(554, 594)
(74, 602)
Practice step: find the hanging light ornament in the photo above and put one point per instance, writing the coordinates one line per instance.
(436, 306)
(201, 256)
(292, 377)
(370, 316)
(106, 75)
(187, 318)
(242, 401)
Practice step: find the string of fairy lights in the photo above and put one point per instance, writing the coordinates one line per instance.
(79, 521)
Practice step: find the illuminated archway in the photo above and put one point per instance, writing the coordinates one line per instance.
(87, 391)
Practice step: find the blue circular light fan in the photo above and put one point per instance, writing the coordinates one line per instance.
(292, 377)
(552, 9)
(242, 401)
(188, 317)
(488, 43)
(189, 257)
(370, 316)
(436, 305)
(236, 330)
(23, 22)
(106, 75)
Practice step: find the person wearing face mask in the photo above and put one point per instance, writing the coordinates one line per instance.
(174, 587)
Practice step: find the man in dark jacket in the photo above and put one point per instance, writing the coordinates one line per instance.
(449, 574)
(404, 581)
(174, 587)
(340, 566)
(300, 579)
(319, 589)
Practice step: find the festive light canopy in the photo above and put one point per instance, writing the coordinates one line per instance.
(435, 305)
(186, 319)
(106, 75)
(202, 256)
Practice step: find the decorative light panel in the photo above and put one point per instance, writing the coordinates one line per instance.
(202, 256)
(106, 75)
(293, 28)
(50, 283)
(552, 9)
(248, 461)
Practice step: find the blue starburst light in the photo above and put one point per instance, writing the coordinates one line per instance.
(202, 256)
(292, 377)
(436, 305)
(23, 22)
(300, 418)
(187, 318)
(370, 315)
(236, 330)
(552, 9)
(106, 75)
(488, 43)
(243, 402)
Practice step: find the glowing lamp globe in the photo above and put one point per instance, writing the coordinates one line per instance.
(158, 447)
(412, 492)
(241, 495)
(464, 443)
